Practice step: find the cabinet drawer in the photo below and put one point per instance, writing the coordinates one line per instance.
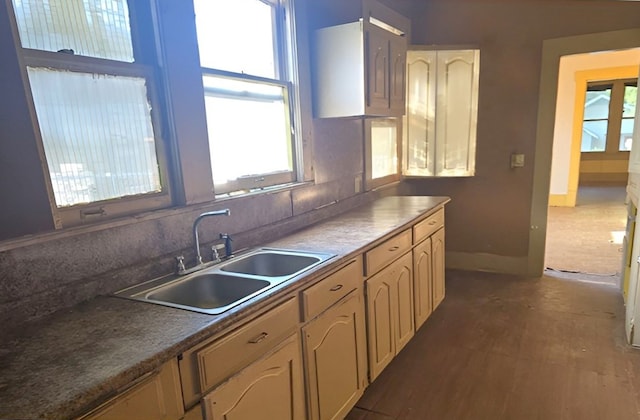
(331, 289)
(429, 225)
(235, 351)
(387, 251)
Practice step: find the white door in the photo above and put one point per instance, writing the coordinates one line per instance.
(633, 189)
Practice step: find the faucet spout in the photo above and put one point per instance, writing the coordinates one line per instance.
(196, 223)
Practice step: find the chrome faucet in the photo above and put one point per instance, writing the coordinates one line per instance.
(196, 222)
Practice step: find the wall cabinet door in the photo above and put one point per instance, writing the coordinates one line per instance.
(442, 108)
(422, 281)
(437, 244)
(389, 313)
(271, 388)
(397, 74)
(336, 359)
(377, 62)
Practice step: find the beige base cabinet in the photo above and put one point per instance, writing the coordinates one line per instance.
(428, 265)
(390, 313)
(156, 396)
(437, 250)
(423, 281)
(335, 358)
(271, 388)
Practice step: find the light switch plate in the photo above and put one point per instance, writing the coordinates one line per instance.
(517, 160)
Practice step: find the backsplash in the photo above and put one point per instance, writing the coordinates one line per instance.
(59, 270)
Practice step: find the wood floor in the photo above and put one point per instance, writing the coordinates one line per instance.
(504, 347)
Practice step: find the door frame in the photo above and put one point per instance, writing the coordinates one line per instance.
(552, 50)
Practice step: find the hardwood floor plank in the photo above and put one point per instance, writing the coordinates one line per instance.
(502, 347)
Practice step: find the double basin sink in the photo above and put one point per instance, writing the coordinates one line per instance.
(220, 287)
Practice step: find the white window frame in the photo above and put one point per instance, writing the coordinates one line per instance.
(371, 182)
(98, 210)
(286, 78)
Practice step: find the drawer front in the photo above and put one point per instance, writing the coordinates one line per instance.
(332, 288)
(387, 251)
(428, 226)
(235, 351)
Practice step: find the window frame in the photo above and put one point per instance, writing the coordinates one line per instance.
(371, 183)
(143, 67)
(285, 71)
(614, 118)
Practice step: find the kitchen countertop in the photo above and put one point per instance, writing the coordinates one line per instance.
(62, 366)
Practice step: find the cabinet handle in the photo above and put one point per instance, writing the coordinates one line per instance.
(433, 222)
(394, 248)
(336, 288)
(259, 338)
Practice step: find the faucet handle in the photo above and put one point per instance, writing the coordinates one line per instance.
(228, 249)
(215, 249)
(181, 267)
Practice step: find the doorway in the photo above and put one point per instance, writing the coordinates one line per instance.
(587, 240)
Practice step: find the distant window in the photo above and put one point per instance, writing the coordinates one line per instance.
(93, 106)
(628, 116)
(596, 118)
(244, 52)
(609, 113)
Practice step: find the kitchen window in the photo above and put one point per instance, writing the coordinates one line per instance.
(94, 102)
(244, 47)
(382, 151)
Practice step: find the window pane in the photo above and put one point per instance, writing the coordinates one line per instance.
(97, 135)
(94, 28)
(630, 98)
(594, 136)
(248, 133)
(596, 104)
(626, 134)
(237, 36)
(384, 148)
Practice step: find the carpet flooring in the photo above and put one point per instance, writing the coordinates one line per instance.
(587, 238)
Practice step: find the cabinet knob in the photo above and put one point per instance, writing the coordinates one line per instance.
(336, 288)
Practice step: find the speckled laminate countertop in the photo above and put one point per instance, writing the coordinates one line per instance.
(66, 364)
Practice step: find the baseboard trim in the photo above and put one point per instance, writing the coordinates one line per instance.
(487, 262)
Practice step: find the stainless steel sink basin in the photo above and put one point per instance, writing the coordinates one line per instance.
(220, 287)
(207, 291)
(272, 263)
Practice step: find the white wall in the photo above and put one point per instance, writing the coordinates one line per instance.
(569, 65)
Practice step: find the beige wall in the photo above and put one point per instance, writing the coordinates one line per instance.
(490, 218)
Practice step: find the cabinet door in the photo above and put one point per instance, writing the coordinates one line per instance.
(404, 328)
(271, 388)
(382, 294)
(437, 244)
(377, 68)
(397, 74)
(155, 398)
(335, 359)
(420, 123)
(456, 115)
(422, 282)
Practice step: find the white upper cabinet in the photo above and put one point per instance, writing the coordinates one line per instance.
(441, 112)
(359, 67)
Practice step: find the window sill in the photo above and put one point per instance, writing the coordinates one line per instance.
(40, 238)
